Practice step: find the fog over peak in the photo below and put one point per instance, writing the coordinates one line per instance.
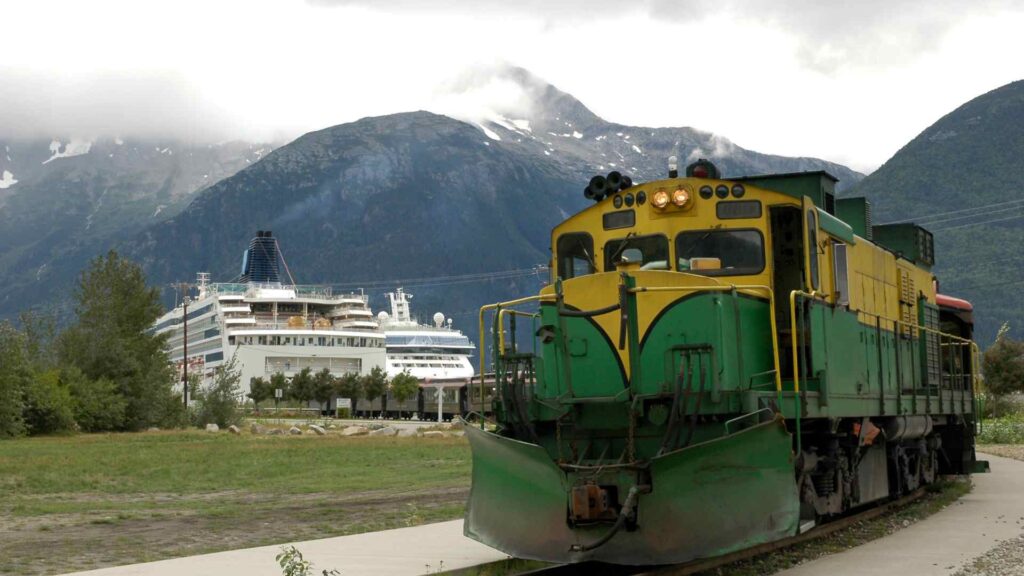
(144, 104)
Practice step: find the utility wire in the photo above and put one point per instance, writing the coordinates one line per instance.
(444, 280)
(926, 217)
(977, 215)
(979, 223)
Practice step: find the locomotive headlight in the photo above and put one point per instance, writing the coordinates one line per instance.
(659, 199)
(680, 197)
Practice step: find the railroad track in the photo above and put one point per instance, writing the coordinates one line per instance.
(697, 566)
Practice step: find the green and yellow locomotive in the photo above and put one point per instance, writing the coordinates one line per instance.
(717, 364)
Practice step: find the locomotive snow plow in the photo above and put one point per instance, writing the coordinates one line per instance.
(708, 499)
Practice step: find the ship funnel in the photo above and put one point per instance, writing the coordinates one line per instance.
(259, 263)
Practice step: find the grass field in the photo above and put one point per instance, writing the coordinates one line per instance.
(88, 501)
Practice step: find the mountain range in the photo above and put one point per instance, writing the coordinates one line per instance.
(64, 200)
(415, 196)
(420, 195)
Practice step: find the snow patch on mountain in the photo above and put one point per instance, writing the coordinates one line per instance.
(74, 147)
(7, 180)
(488, 132)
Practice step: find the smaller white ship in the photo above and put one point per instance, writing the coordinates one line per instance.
(432, 353)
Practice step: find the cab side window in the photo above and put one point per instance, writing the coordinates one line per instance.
(575, 255)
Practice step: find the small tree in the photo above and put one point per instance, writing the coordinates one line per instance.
(259, 390)
(349, 385)
(403, 387)
(375, 384)
(301, 389)
(218, 403)
(278, 381)
(1003, 364)
(323, 388)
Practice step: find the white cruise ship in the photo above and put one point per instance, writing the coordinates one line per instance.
(270, 326)
(433, 353)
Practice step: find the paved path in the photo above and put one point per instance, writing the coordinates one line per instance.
(945, 541)
(401, 552)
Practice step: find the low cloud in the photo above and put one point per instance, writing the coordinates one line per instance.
(828, 35)
(140, 104)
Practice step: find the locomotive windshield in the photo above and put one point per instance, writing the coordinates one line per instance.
(653, 250)
(738, 251)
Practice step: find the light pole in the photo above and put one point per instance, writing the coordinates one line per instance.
(184, 353)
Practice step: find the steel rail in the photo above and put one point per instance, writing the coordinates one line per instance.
(708, 564)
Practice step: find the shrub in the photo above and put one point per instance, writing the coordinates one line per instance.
(218, 403)
(1008, 430)
(1003, 364)
(97, 405)
(48, 405)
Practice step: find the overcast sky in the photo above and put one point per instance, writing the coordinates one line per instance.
(850, 83)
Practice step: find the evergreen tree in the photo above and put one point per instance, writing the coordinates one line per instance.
(323, 388)
(404, 386)
(278, 381)
(259, 390)
(301, 388)
(349, 385)
(110, 341)
(374, 384)
(14, 378)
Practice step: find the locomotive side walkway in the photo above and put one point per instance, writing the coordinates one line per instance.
(411, 551)
(946, 541)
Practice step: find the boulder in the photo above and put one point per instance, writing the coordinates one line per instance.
(433, 434)
(276, 432)
(294, 431)
(354, 431)
(407, 432)
(319, 430)
(234, 429)
(332, 427)
(385, 431)
(152, 429)
(255, 428)
(211, 427)
(457, 433)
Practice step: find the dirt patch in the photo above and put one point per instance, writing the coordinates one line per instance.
(57, 543)
(1015, 451)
